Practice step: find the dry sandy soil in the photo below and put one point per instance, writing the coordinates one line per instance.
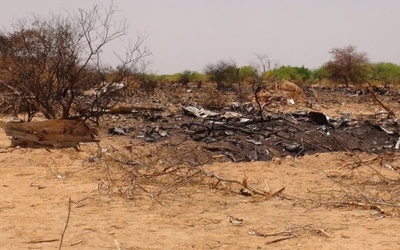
(328, 202)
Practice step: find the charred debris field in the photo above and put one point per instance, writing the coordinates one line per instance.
(238, 133)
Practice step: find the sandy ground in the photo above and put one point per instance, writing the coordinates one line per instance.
(36, 185)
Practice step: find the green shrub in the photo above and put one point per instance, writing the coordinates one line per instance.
(385, 72)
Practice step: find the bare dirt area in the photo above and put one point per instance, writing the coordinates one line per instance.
(164, 178)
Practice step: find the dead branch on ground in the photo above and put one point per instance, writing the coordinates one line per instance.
(368, 184)
(42, 241)
(133, 173)
(243, 183)
(291, 231)
(391, 114)
(360, 162)
(66, 223)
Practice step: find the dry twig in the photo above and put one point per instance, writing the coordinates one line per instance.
(243, 183)
(42, 241)
(363, 205)
(390, 112)
(290, 232)
(280, 239)
(66, 223)
(359, 163)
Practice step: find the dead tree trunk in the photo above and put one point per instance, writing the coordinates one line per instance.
(56, 133)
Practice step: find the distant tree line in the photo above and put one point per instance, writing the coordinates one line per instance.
(346, 66)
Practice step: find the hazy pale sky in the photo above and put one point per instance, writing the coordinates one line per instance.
(188, 34)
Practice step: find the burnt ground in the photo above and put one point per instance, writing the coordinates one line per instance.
(238, 134)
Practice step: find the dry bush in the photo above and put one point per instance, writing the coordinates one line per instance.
(133, 179)
(132, 86)
(46, 64)
(246, 91)
(165, 169)
(369, 187)
(7, 104)
(148, 85)
(148, 170)
(213, 99)
(371, 184)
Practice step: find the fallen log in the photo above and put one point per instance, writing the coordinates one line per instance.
(56, 133)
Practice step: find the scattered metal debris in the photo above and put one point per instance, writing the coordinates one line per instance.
(236, 221)
(239, 134)
(199, 112)
(118, 131)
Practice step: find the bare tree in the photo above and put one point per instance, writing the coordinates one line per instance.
(263, 69)
(46, 64)
(262, 66)
(347, 65)
(223, 73)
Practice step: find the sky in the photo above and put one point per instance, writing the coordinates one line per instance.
(189, 34)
